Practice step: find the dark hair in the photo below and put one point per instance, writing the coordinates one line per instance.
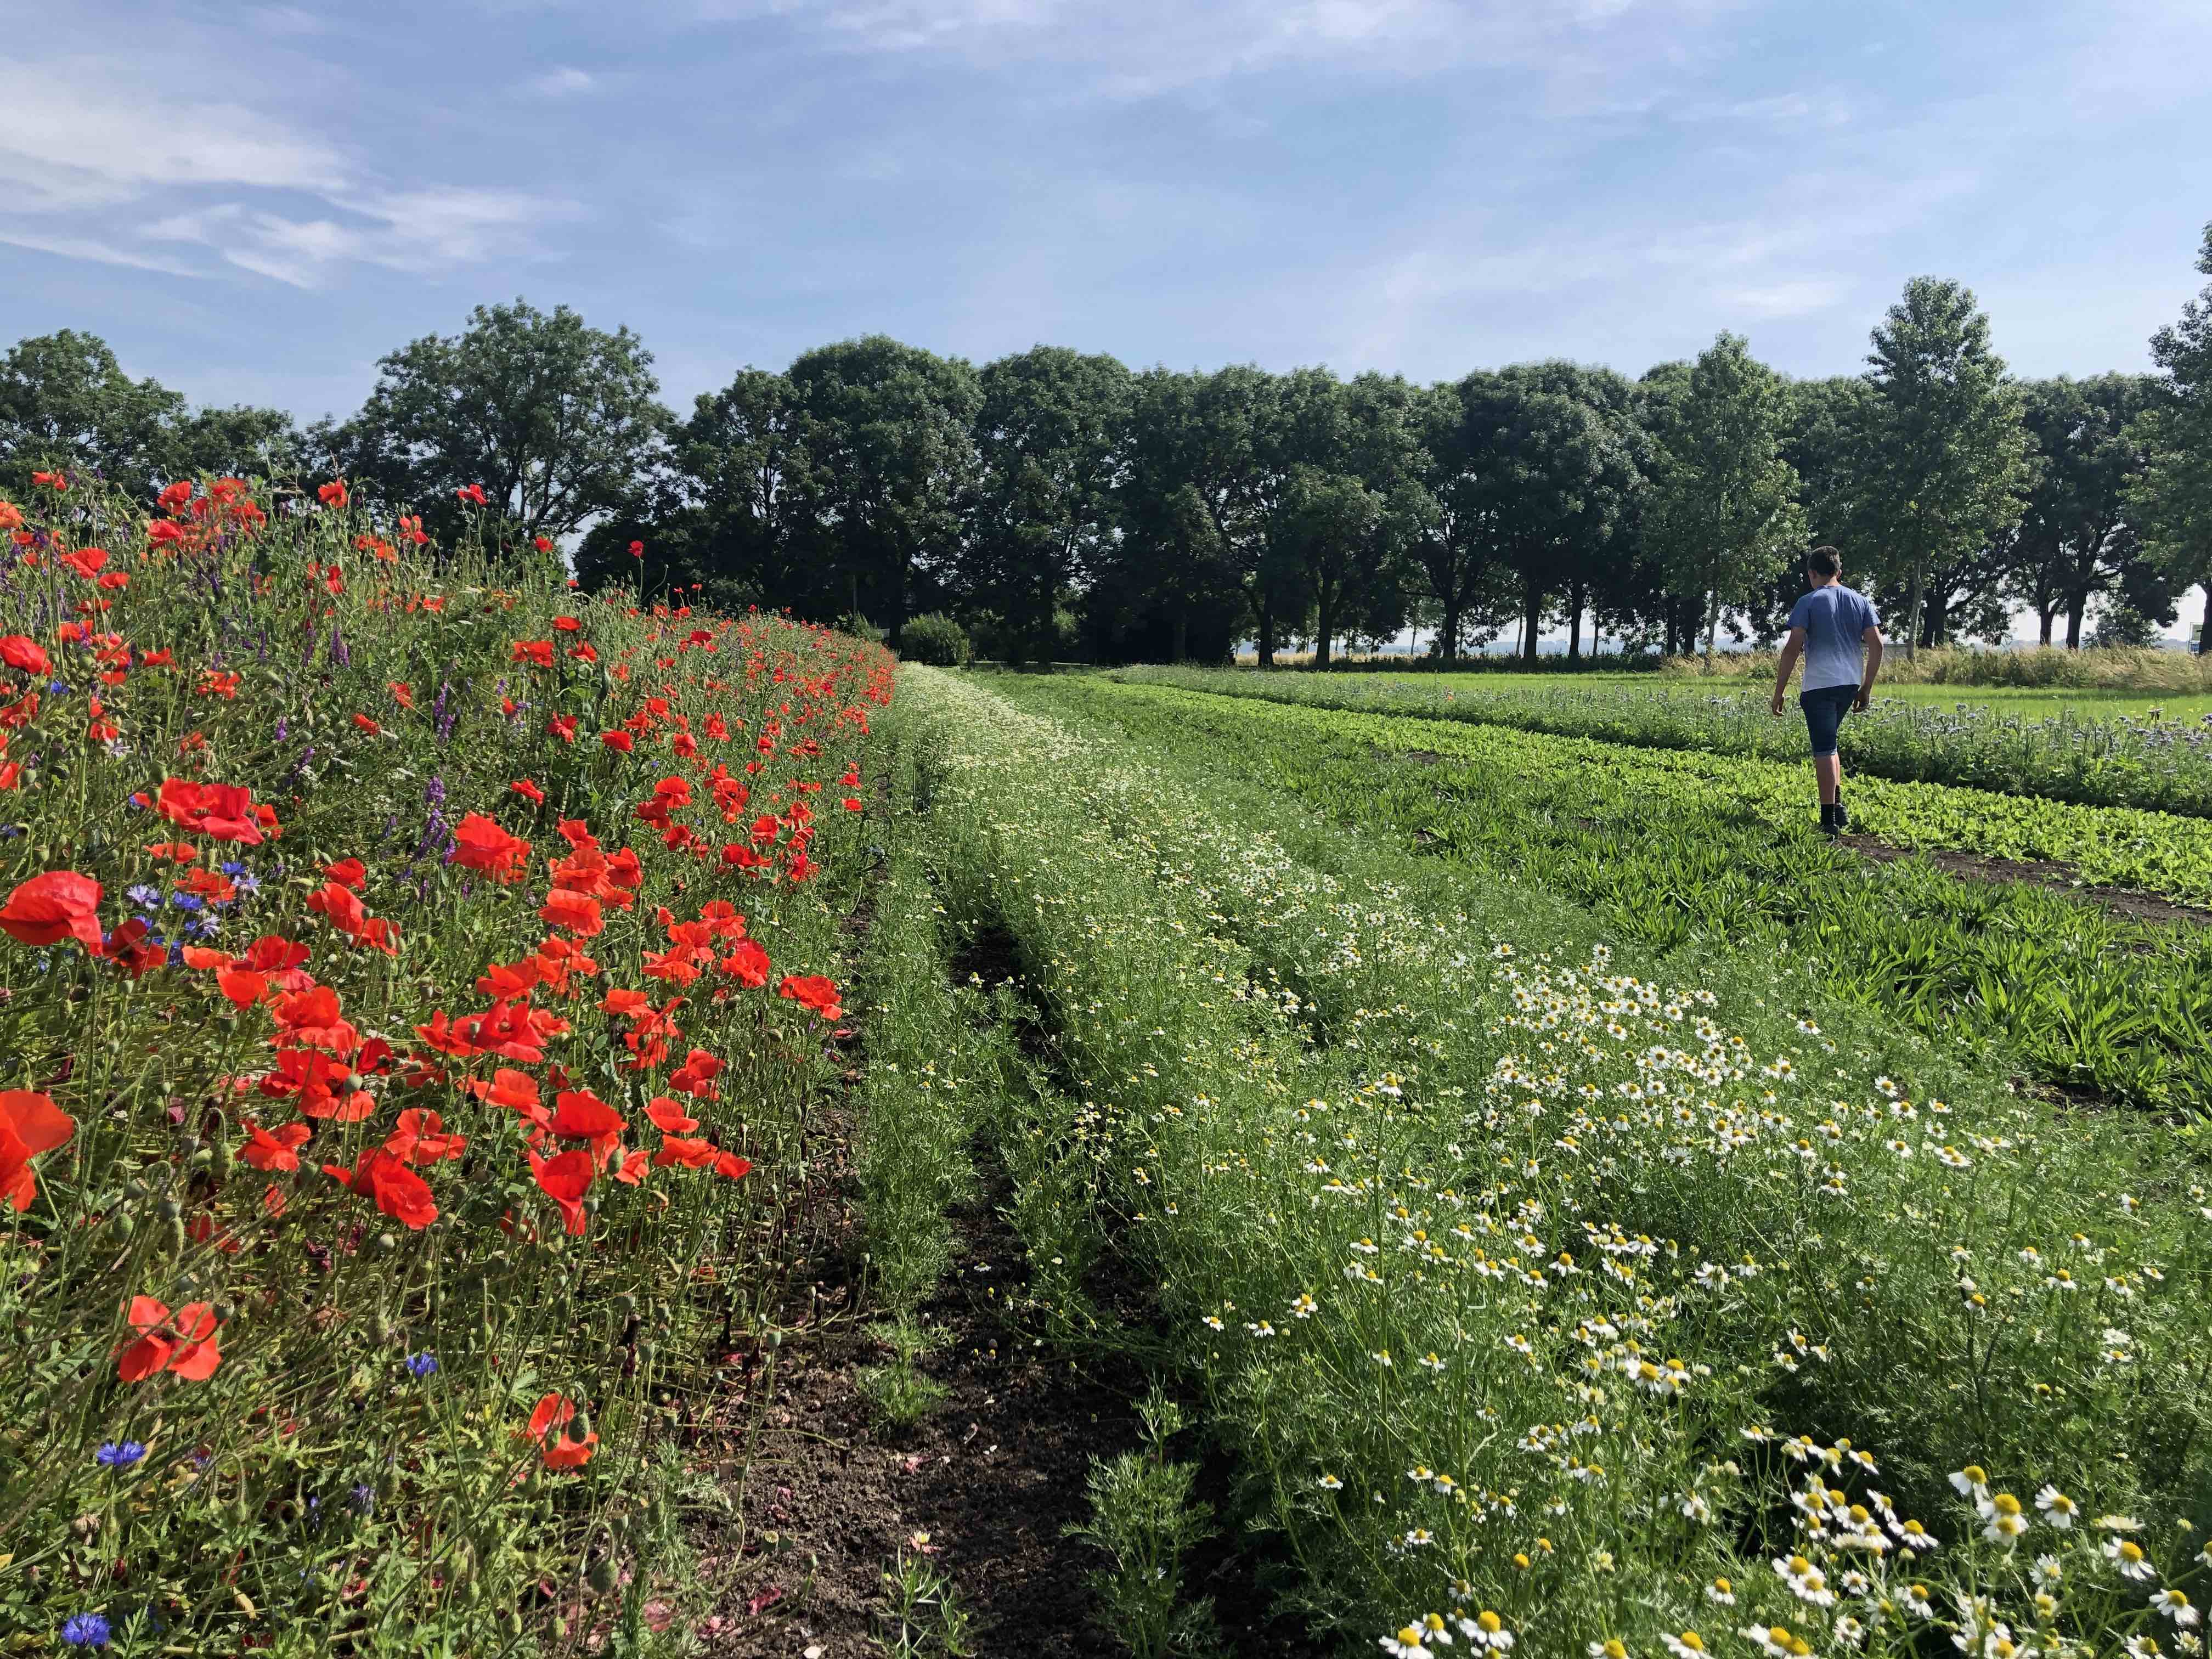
(1824, 562)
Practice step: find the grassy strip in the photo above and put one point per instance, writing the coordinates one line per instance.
(2158, 765)
(1675, 850)
(1436, 1191)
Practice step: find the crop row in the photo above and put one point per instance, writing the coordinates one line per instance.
(2152, 764)
(1667, 852)
(1545, 1294)
(413, 986)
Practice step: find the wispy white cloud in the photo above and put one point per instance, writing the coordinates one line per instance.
(87, 151)
(567, 82)
(1144, 47)
(420, 232)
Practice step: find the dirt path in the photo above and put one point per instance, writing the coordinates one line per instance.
(1976, 866)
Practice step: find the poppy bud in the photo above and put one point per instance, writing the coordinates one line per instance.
(579, 1426)
(188, 1145)
(386, 1243)
(119, 1225)
(200, 1160)
(223, 1159)
(177, 1235)
(225, 1312)
(601, 1576)
(168, 1209)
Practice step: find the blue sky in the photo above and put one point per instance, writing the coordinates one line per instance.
(255, 203)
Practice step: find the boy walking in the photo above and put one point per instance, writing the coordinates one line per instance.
(1835, 629)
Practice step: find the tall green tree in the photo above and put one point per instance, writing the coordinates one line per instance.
(555, 420)
(2077, 540)
(2172, 502)
(1553, 458)
(888, 433)
(1946, 457)
(1050, 434)
(65, 401)
(1166, 582)
(1722, 514)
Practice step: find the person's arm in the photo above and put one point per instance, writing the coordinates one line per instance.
(1872, 640)
(1791, 650)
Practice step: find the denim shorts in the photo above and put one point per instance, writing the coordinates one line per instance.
(1825, 708)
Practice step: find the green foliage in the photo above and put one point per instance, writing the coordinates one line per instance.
(922, 1616)
(1681, 849)
(935, 639)
(1145, 1519)
(1507, 1264)
(1722, 515)
(555, 420)
(2151, 764)
(1944, 459)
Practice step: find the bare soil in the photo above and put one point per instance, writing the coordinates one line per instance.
(1975, 866)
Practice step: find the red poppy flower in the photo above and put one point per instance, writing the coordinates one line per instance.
(185, 1346)
(30, 1123)
(747, 964)
(562, 727)
(565, 1179)
(57, 905)
(332, 493)
(577, 912)
(269, 1150)
(471, 493)
(21, 651)
(479, 843)
(387, 1182)
(529, 791)
(222, 810)
(368, 726)
(730, 1164)
(812, 991)
(697, 1075)
(691, 1154)
(669, 1117)
(567, 624)
(86, 561)
(540, 651)
(580, 1114)
(617, 740)
(420, 1138)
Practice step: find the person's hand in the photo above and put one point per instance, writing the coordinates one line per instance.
(1778, 702)
(1860, 702)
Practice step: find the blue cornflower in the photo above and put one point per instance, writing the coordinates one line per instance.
(58, 690)
(423, 1365)
(207, 927)
(364, 1496)
(188, 900)
(85, 1630)
(176, 956)
(118, 1454)
(145, 897)
(231, 867)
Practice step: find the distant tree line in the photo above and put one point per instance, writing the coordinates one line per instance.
(1060, 505)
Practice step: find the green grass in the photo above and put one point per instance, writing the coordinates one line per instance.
(2032, 702)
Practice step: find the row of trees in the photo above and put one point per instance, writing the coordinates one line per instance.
(1063, 504)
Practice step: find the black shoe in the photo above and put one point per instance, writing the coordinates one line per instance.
(1830, 821)
(1842, 818)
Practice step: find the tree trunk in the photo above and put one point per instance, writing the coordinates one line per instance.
(1324, 623)
(1712, 625)
(1532, 619)
(1266, 613)
(1447, 640)
(2044, 620)
(1575, 623)
(1913, 607)
(2074, 607)
(1179, 636)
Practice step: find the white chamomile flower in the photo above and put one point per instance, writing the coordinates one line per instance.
(2057, 1508)
(2172, 1604)
(2128, 1556)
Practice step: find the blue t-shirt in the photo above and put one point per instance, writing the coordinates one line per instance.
(1833, 619)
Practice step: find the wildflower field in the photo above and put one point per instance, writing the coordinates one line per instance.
(1564, 1207)
(414, 989)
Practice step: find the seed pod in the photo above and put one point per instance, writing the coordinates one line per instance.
(223, 1160)
(168, 1209)
(579, 1426)
(119, 1225)
(601, 1576)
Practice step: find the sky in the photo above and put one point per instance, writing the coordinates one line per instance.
(252, 205)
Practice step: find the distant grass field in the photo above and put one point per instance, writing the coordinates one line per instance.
(2035, 702)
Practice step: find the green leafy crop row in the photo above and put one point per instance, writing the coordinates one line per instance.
(1678, 849)
(2160, 765)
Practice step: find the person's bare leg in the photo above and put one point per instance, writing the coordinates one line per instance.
(1829, 769)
